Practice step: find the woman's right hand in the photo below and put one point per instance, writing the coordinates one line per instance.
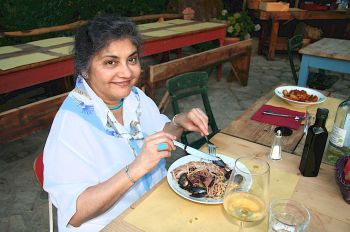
(149, 155)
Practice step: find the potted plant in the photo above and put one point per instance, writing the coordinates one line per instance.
(239, 25)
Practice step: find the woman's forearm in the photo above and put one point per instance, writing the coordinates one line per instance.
(172, 129)
(97, 199)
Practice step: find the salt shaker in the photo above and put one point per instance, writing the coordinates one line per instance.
(276, 148)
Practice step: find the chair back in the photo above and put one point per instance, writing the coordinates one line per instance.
(294, 43)
(186, 85)
(38, 167)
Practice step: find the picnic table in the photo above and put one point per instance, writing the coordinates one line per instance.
(41, 61)
(327, 53)
(270, 41)
(162, 209)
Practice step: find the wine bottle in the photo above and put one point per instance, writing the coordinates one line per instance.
(315, 143)
(339, 139)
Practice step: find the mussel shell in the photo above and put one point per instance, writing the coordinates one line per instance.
(228, 174)
(219, 162)
(198, 192)
(184, 182)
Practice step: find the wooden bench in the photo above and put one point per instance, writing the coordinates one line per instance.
(22, 121)
(25, 120)
(238, 54)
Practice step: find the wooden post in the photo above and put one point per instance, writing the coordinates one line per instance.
(273, 39)
(241, 67)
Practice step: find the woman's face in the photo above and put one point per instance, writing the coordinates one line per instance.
(114, 71)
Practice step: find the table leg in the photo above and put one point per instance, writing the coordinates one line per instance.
(262, 37)
(219, 67)
(304, 71)
(240, 68)
(307, 61)
(273, 39)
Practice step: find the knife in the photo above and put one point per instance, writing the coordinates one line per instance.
(195, 152)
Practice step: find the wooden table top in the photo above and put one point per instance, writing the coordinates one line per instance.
(301, 14)
(160, 30)
(260, 133)
(329, 48)
(329, 212)
(17, 57)
(246, 128)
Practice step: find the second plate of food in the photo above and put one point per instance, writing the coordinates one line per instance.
(300, 96)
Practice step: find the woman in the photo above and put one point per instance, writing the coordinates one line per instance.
(108, 141)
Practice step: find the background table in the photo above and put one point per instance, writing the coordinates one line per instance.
(327, 53)
(246, 128)
(271, 22)
(41, 61)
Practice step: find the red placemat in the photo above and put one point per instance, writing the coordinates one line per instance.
(277, 120)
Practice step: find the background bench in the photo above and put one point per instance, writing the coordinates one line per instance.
(238, 54)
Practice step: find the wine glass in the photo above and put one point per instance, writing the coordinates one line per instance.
(247, 192)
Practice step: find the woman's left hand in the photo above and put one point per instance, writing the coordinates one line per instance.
(194, 120)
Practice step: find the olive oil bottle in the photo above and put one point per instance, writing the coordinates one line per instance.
(315, 143)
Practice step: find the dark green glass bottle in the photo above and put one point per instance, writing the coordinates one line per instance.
(315, 143)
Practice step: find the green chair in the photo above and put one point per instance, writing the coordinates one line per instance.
(316, 80)
(186, 85)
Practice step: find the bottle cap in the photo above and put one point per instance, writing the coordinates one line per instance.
(279, 133)
(322, 113)
(284, 130)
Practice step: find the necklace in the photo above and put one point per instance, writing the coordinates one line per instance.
(117, 106)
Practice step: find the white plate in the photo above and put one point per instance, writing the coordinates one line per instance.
(320, 96)
(204, 200)
(183, 193)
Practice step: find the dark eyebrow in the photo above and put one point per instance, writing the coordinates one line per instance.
(116, 57)
(134, 53)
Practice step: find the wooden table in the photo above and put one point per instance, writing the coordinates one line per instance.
(163, 210)
(327, 53)
(41, 61)
(320, 195)
(245, 128)
(269, 32)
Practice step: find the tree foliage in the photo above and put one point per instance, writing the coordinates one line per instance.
(18, 15)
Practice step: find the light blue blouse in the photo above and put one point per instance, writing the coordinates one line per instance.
(87, 146)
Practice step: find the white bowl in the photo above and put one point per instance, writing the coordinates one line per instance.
(320, 96)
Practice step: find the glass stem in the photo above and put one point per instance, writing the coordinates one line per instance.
(241, 227)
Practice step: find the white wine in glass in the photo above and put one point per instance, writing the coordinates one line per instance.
(246, 195)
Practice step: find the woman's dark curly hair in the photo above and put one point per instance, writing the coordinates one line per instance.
(97, 34)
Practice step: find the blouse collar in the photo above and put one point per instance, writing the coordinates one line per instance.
(131, 110)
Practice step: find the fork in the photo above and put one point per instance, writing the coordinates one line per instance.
(211, 147)
(297, 118)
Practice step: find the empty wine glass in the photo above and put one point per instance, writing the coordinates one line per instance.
(247, 193)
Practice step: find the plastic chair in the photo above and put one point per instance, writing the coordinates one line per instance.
(38, 167)
(316, 80)
(186, 85)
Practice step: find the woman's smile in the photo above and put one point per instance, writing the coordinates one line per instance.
(122, 83)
